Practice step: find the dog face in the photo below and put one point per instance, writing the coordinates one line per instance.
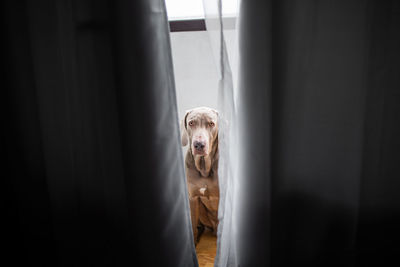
(200, 128)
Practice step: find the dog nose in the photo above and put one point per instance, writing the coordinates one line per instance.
(199, 146)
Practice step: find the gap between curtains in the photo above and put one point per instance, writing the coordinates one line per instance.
(92, 136)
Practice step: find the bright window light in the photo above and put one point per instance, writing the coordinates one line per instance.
(193, 9)
(185, 9)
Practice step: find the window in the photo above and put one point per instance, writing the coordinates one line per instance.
(193, 9)
(185, 9)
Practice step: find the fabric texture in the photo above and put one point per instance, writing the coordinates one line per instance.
(316, 156)
(215, 27)
(95, 172)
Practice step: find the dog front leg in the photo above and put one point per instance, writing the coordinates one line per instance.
(194, 214)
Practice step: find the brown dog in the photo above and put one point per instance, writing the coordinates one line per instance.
(200, 129)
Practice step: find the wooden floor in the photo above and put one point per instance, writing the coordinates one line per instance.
(206, 249)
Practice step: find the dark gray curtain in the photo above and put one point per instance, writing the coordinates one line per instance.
(93, 174)
(319, 135)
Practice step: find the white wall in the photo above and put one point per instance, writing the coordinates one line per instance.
(195, 68)
(196, 76)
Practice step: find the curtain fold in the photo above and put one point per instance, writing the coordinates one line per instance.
(316, 160)
(92, 136)
(216, 27)
(308, 74)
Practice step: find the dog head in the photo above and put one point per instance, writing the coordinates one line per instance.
(200, 128)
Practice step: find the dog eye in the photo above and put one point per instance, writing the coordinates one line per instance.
(191, 123)
(211, 124)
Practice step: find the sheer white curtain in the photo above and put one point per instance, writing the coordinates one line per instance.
(222, 33)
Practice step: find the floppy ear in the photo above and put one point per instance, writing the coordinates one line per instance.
(184, 134)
